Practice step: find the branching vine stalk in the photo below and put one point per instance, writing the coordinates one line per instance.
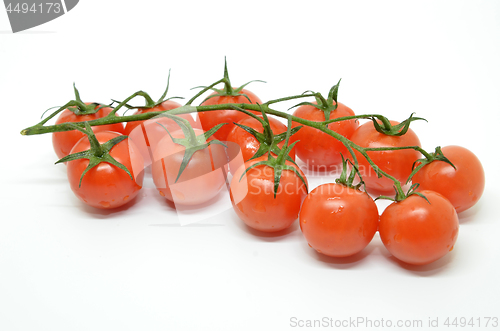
(111, 118)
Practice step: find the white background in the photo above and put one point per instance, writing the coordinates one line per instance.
(65, 266)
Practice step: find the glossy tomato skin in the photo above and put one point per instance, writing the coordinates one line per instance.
(419, 232)
(209, 119)
(157, 129)
(463, 186)
(337, 220)
(396, 163)
(201, 180)
(317, 149)
(249, 145)
(63, 142)
(106, 186)
(253, 197)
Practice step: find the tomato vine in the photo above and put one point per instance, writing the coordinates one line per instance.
(327, 104)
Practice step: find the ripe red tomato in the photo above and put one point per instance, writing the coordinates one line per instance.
(419, 232)
(337, 220)
(317, 149)
(64, 141)
(200, 181)
(209, 119)
(396, 163)
(463, 186)
(249, 145)
(157, 129)
(253, 196)
(106, 186)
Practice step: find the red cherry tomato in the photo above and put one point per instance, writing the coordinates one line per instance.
(156, 130)
(64, 141)
(419, 232)
(253, 197)
(106, 186)
(337, 220)
(201, 180)
(248, 143)
(317, 149)
(463, 186)
(209, 119)
(396, 163)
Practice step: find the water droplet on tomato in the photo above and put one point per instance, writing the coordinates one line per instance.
(338, 210)
(179, 195)
(162, 194)
(105, 204)
(126, 198)
(259, 207)
(398, 238)
(451, 248)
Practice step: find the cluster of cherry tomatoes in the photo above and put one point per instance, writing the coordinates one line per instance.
(269, 192)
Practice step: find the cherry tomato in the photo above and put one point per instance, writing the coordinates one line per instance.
(209, 119)
(337, 220)
(463, 186)
(253, 196)
(106, 186)
(248, 143)
(156, 130)
(317, 149)
(200, 181)
(419, 232)
(396, 163)
(64, 141)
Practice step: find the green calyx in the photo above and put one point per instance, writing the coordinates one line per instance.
(429, 158)
(348, 181)
(400, 196)
(279, 163)
(150, 103)
(77, 106)
(268, 141)
(328, 105)
(228, 90)
(80, 108)
(385, 126)
(192, 142)
(97, 153)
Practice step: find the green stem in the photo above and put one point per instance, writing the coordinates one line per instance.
(351, 146)
(203, 91)
(149, 101)
(95, 146)
(270, 102)
(417, 148)
(346, 118)
(324, 103)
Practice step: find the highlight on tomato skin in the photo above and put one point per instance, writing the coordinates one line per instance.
(337, 220)
(397, 163)
(106, 186)
(201, 180)
(64, 141)
(462, 186)
(253, 199)
(317, 149)
(417, 231)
